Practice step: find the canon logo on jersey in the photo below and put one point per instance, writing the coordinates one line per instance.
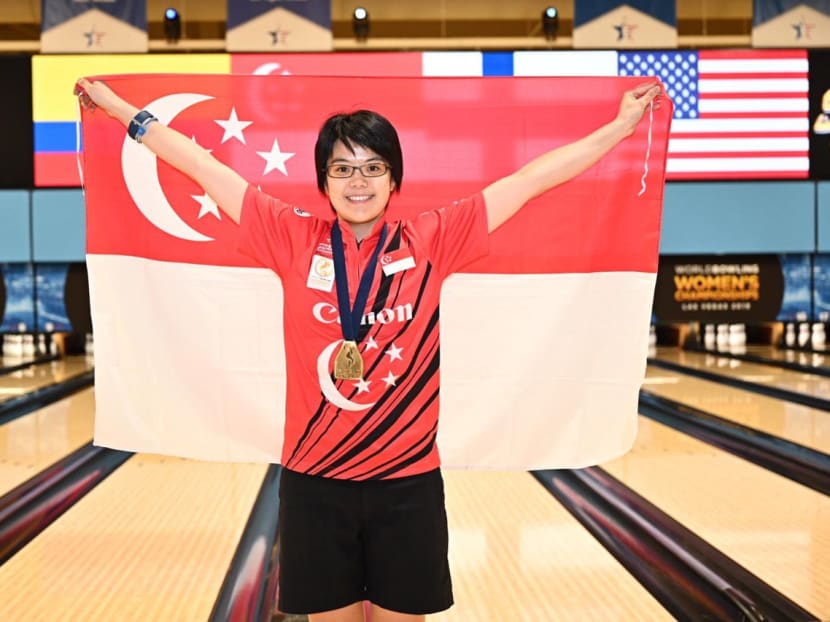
(327, 313)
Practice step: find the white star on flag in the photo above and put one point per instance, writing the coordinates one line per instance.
(208, 205)
(394, 353)
(362, 386)
(233, 127)
(371, 344)
(390, 379)
(193, 138)
(275, 159)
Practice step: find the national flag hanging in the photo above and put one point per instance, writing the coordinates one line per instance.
(759, 104)
(544, 341)
(738, 113)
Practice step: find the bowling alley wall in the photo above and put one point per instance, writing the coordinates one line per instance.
(736, 247)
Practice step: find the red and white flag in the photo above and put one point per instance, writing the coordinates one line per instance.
(544, 341)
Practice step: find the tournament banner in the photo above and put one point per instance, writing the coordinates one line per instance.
(819, 114)
(526, 380)
(790, 23)
(93, 26)
(625, 25)
(733, 288)
(278, 25)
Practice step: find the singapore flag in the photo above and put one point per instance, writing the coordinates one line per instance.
(543, 342)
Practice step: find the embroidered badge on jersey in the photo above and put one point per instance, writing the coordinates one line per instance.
(396, 261)
(321, 273)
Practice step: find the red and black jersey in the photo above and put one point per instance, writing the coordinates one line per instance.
(385, 424)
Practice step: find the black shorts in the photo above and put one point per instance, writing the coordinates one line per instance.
(342, 542)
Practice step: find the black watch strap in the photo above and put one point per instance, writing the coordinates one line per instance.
(138, 124)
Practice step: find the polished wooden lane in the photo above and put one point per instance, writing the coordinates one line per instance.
(516, 554)
(34, 377)
(151, 542)
(801, 382)
(794, 422)
(31, 443)
(817, 359)
(776, 528)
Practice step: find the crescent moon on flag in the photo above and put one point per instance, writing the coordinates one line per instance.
(139, 166)
(327, 386)
(269, 68)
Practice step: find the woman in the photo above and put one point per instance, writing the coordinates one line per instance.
(361, 496)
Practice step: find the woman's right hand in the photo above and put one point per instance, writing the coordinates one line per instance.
(96, 94)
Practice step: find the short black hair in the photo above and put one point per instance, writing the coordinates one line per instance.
(361, 128)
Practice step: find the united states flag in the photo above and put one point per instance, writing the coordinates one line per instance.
(738, 113)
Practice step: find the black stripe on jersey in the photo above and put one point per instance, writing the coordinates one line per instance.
(321, 408)
(423, 453)
(393, 415)
(380, 303)
(392, 439)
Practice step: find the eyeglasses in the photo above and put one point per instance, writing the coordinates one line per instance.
(370, 169)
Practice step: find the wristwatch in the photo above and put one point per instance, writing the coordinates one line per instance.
(138, 125)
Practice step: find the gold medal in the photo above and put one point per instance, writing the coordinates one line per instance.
(348, 365)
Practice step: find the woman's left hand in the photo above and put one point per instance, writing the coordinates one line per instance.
(634, 104)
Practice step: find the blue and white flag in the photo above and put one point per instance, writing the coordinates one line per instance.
(93, 26)
(278, 25)
(618, 25)
(791, 23)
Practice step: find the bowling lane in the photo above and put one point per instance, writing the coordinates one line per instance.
(809, 359)
(37, 376)
(152, 542)
(517, 554)
(777, 529)
(794, 422)
(31, 443)
(808, 384)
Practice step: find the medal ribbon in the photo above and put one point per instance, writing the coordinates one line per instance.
(350, 317)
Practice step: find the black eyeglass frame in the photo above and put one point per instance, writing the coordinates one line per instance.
(362, 167)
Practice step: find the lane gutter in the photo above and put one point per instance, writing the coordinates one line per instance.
(249, 591)
(692, 579)
(755, 387)
(797, 462)
(35, 504)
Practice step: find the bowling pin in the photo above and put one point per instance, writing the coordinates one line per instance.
(803, 334)
(28, 344)
(818, 338)
(722, 339)
(789, 335)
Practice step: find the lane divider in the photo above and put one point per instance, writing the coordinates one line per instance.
(817, 370)
(692, 579)
(33, 400)
(35, 504)
(249, 591)
(28, 363)
(797, 462)
(755, 387)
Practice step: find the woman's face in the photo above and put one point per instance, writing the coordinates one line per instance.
(358, 200)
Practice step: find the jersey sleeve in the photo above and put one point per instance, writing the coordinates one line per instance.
(455, 235)
(271, 231)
